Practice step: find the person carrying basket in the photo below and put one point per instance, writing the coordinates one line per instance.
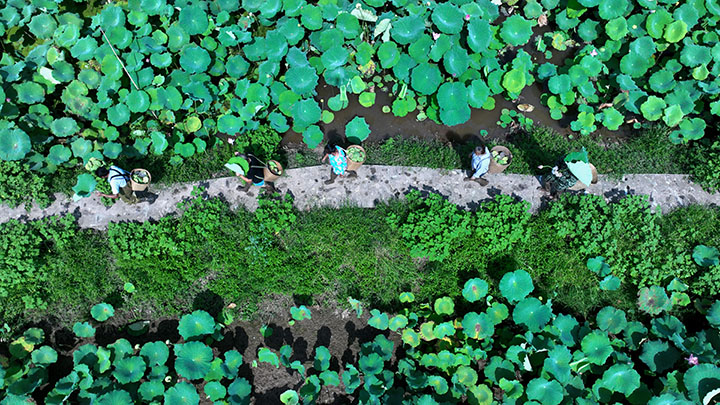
(119, 180)
(337, 157)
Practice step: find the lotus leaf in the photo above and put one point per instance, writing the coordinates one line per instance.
(659, 355)
(85, 185)
(300, 313)
(194, 59)
(514, 82)
(155, 353)
(289, 397)
(215, 391)
(420, 49)
(366, 99)
(196, 325)
(693, 55)
(466, 376)
(634, 65)
(441, 45)
(448, 18)
(357, 130)
(193, 19)
(59, 154)
(407, 30)
(706, 256)
(516, 285)
(516, 30)
(596, 347)
(672, 115)
(305, 113)
(402, 106)
(700, 380)
(29, 92)
(532, 313)
(690, 129)
(334, 57)
(378, 320)
(444, 306)
(616, 28)
(388, 54)
(411, 338)
(675, 31)
(452, 96)
(115, 397)
(83, 329)
(102, 312)
(398, 322)
(118, 114)
(43, 356)
(618, 378)
(181, 393)
(348, 24)
(456, 61)
(587, 30)
(84, 49)
(66, 35)
(544, 391)
(560, 84)
(426, 78)
(192, 359)
(371, 364)
(475, 289)
(478, 326)
(662, 81)
(558, 364)
(129, 370)
(652, 108)
(311, 17)
(611, 320)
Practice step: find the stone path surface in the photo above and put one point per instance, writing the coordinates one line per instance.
(374, 184)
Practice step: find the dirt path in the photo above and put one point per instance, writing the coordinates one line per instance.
(374, 184)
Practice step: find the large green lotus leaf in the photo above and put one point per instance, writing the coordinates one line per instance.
(311, 17)
(59, 154)
(334, 57)
(118, 114)
(656, 22)
(452, 96)
(455, 116)
(155, 353)
(63, 71)
(138, 101)
(120, 37)
(177, 37)
(85, 185)
(478, 93)
(388, 54)
(14, 144)
(662, 81)
(611, 320)
(402, 68)
(479, 35)
(420, 49)
(700, 380)
(111, 67)
(690, 129)
(276, 46)
(42, 25)
(84, 49)
(643, 46)
(313, 136)
(357, 130)
(215, 391)
(532, 313)
(305, 113)
(181, 393)
(514, 81)
(348, 24)
(448, 18)
(115, 397)
(112, 150)
(29, 92)
(456, 61)
(42, 356)
(652, 108)
(193, 360)
(475, 289)
(64, 127)
(545, 392)
(675, 31)
(237, 66)
(498, 312)
(706, 256)
(587, 30)
(659, 355)
(596, 347)
(616, 28)
(441, 45)
(129, 370)
(193, 19)
(83, 329)
(66, 35)
(196, 325)
(560, 84)
(634, 65)
(557, 364)
(425, 78)
(291, 29)
(327, 38)
(150, 390)
(364, 53)
(194, 59)
(516, 285)
(609, 9)
(302, 80)
(618, 378)
(406, 30)
(612, 119)
(693, 55)
(516, 30)
(478, 326)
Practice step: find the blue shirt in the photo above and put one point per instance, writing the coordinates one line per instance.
(480, 163)
(117, 178)
(339, 162)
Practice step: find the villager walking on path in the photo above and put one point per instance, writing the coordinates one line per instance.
(250, 170)
(480, 163)
(568, 173)
(120, 186)
(337, 157)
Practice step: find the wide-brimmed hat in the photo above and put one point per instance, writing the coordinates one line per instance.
(579, 166)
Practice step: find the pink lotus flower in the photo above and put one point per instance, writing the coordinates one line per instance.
(7, 100)
(435, 36)
(692, 360)
(231, 141)
(594, 52)
(467, 17)
(147, 59)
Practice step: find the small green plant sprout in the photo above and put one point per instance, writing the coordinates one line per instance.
(653, 300)
(407, 297)
(678, 296)
(356, 305)
(289, 397)
(598, 266)
(300, 313)
(102, 312)
(83, 330)
(706, 256)
(266, 331)
(129, 288)
(444, 306)
(196, 325)
(266, 355)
